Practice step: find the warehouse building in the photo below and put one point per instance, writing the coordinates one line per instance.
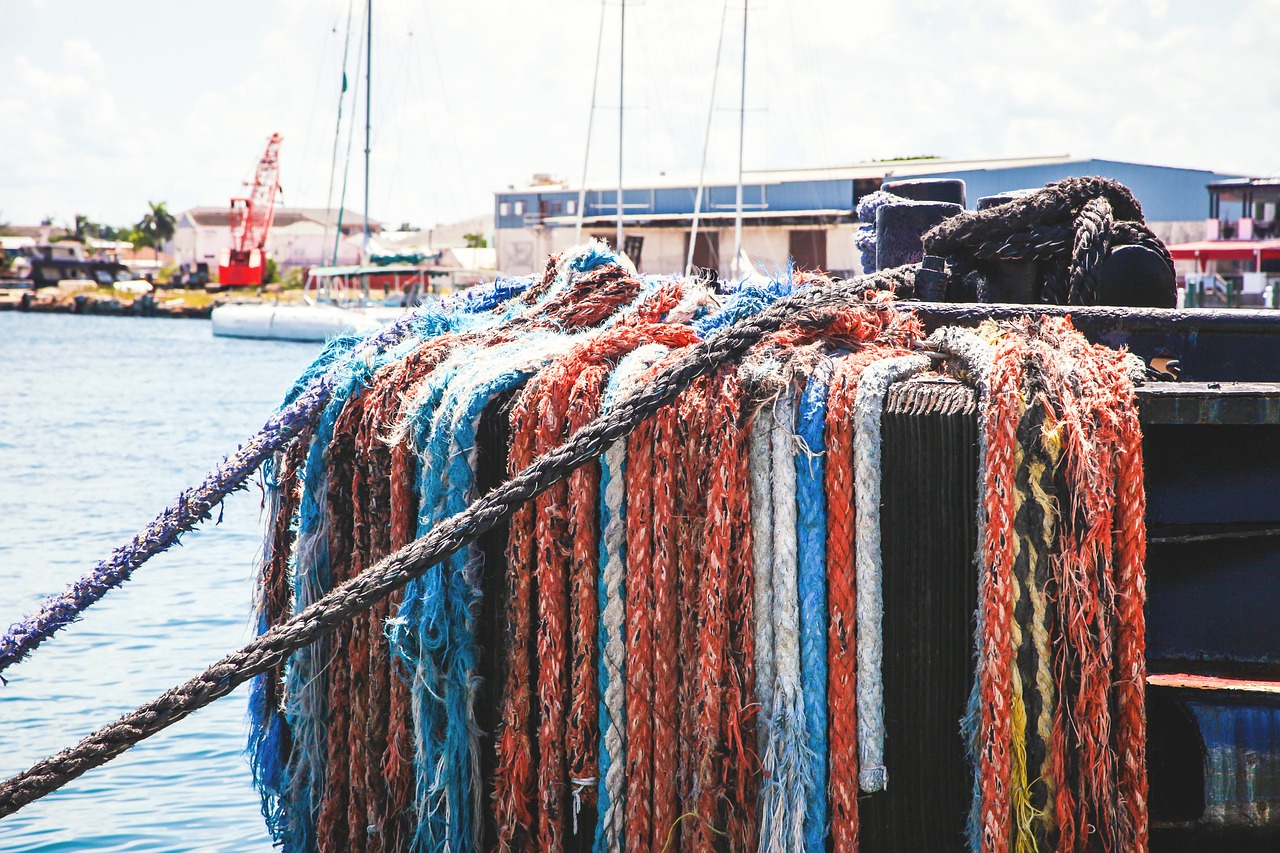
(808, 215)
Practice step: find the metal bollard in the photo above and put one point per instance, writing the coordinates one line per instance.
(1136, 277)
(900, 227)
(951, 190)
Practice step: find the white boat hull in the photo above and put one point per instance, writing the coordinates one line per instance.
(293, 322)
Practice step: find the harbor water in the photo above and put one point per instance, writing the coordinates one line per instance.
(102, 422)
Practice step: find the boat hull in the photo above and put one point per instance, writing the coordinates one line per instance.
(293, 322)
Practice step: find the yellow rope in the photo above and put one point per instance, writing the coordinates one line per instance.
(1024, 814)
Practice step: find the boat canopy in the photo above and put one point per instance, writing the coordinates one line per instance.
(1203, 251)
(389, 269)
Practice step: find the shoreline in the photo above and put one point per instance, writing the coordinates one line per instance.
(109, 304)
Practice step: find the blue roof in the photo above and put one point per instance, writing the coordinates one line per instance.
(1166, 193)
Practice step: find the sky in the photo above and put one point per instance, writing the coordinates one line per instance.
(106, 106)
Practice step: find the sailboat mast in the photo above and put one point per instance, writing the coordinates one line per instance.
(591, 120)
(337, 138)
(622, 50)
(706, 144)
(368, 112)
(742, 121)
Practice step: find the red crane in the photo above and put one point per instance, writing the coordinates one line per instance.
(243, 263)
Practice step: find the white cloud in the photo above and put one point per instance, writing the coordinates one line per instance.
(469, 97)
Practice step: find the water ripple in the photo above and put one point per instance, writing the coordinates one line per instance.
(103, 420)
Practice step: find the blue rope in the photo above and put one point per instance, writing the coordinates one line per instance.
(607, 475)
(287, 748)
(434, 632)
(811, 523)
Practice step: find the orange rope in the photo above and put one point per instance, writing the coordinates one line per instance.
(743, 771)
(639, 631)
(712, 730)
(842, 662)
(513, 780)
(666, 712)
(996, 597)
(692, 470)
(582, 741)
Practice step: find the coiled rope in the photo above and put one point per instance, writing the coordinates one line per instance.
(1071, 225)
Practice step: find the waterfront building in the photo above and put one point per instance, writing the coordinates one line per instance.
(299, 236)
(809, 215)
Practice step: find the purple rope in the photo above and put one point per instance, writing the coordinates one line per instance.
(189, 509)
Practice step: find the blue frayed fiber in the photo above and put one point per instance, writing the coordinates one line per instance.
(595, 253)
(407, 763)
(434, 631)
(811, 532)
(290, 787)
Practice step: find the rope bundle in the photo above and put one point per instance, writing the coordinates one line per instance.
(1069, 227)
(1061, 726)
(689, 641)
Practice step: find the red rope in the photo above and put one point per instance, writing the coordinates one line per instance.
(551, 575)
(995, 592)
(340, 672)
(582, 740)
(1131, 669)
(513, 780)
(743, 771)
(842, 664)
(639, 636)
(690, 558)
(666, 629)
(711, 730)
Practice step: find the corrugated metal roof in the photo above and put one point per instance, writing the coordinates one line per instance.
(879, 169)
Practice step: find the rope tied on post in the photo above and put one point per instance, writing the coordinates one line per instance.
(692, 581)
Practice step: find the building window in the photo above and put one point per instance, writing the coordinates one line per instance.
(571, 206)
(519, 208)
(504, 208)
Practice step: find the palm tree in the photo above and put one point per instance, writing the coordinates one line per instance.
(158, 225)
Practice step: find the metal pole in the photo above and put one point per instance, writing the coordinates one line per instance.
(591, 118)
(368, 114)
(337, 138)
(622, 51)
(742, 121)
(706, 144)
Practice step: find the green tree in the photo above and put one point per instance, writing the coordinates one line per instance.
(158, 224)
(135, 235)
(475, 241)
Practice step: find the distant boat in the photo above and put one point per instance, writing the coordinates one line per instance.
(330, 306)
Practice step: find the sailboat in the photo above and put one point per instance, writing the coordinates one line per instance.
(336, 299)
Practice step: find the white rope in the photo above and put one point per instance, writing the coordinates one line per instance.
(614, 615)
(869, 406)
(761, 474)
(782, 825)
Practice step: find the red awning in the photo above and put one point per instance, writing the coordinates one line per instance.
(1226, 250)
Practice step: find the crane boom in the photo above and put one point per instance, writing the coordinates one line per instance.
(251, 217)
